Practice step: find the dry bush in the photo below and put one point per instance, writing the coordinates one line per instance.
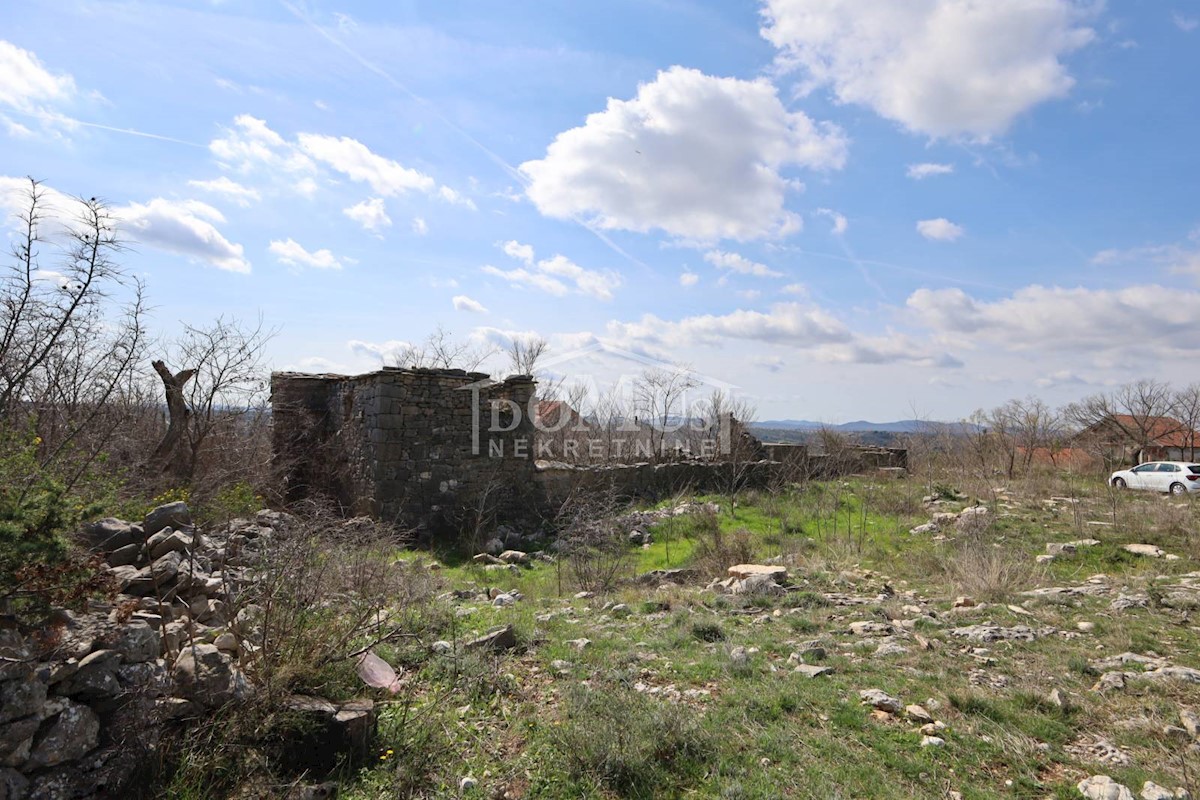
(987, 571)
(328, 590)
(594, 539)
(716, 551)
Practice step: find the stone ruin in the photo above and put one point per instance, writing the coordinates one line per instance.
(442, 450)
(411, 446)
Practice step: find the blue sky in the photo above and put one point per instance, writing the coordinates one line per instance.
(846, 208)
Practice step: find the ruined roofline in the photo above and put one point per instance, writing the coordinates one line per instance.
(421, 371)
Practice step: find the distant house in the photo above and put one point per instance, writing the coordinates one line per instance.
(1129, 439)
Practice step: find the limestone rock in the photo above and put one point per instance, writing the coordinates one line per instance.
(136, 642)
(495, 640)
(21, 697)
(1149, 550)
(812, 671)
(71, 733)
(173, 515)
(775, 572)
(881, 701)
(1102, 787)
(514, 557)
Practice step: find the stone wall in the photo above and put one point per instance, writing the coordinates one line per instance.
(419, 447)
(559, 482)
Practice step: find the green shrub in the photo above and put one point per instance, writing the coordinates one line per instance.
(632, 745)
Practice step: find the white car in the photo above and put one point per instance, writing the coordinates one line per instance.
(1176, 477)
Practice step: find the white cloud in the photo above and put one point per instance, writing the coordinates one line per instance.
(251, 144)
(1090, 322)
(236, 192)
(557, 275)
(464, 303)
(939, 230)
(1184, 23)
(370, 214)
(184, 227)
(521, 252)
(291, 252)
(419, 226)
(798, 289)
(919, 172)
(740, 264)
(840, 223)
(1178, 258)
(696, 156)
(938, 67)
(749, 294)
(455, 198)
(384, 352)
(27, 86)
(357, 162)
(688, 279)
(807, 328)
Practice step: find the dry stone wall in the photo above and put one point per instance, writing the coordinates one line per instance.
(421, 447)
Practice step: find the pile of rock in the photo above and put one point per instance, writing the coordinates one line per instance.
(752, 579)
(969, 519)
(83, 700)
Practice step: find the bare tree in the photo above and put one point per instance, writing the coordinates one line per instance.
(524, 354)
(1123, 423)
(439, 350)
(659, 395)
(71, 331)
(1185, 407)
(220, 392)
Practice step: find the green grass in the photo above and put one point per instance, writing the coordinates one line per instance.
(663, 677)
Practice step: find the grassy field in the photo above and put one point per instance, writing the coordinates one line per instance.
(682, 691)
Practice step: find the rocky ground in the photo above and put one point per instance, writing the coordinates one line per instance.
(859, 639)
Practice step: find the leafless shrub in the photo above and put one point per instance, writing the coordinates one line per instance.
(327, 591)
(594, 540)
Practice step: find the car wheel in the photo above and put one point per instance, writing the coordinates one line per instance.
(1178, 488)
(1119, 483)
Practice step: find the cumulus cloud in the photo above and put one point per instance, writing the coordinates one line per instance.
(1091, 321)
(939, 230)
(291, 252)
(464, 303)
(232, 190)
(919, 172)
(808, 328)
(419, 226)
(26, 86)
(696, 156)
(250, 144)
(937, 67)
(370, 214)
(557, 275)
(734, 262)
(840, 223)
(688, 279)
(521, 252)
(389, 352)
(1185, 23)
(357, 162)
(184, 227)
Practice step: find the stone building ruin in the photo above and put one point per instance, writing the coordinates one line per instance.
(449, 451)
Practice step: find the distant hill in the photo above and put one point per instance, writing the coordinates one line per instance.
(863, 426)
(881, 434)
